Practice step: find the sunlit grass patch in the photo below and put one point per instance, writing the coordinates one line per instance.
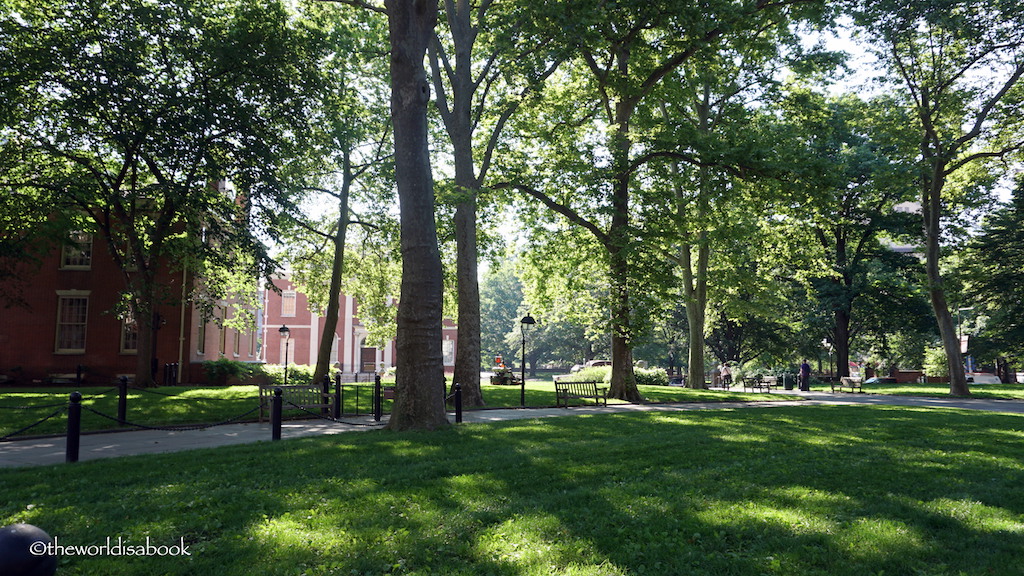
(786, 491)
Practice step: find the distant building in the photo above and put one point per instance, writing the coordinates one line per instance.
(68, 327)
(350, 353)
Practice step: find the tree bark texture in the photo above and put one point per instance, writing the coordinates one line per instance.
(329, 333)
(457, 117)
(932, 209)
(420, 385)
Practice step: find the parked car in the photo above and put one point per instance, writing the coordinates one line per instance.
(590, 364)
(983, 378)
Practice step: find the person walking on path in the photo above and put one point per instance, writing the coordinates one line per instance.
(805, 376)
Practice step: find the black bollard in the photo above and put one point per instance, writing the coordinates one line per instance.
(74, 427)
(275, 414)
(378, 409)
(325, 395)
(122, 400)
(458, 403)
(337, 395)
(26, 550)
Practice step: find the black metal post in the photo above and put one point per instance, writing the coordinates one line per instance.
(122, 399)
(325, 395)
(378, 409)
(275, 414)
(286, 342)
(458, 403)
(522, 374)
(337, 395)
(74, 427)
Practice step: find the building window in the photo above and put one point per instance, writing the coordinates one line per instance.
(77, 254)
(448, 350)
(201, 337)
(223, 344)
(129, 337)
(72, 316)
(288, 303)
(287, 349)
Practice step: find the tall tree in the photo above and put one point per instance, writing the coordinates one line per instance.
(131, 112)
(959, 65)
(851, 177)
(628, 50)
(994, 277)
(709, 137)
(420, 384)
(351, 162)
(482, 74)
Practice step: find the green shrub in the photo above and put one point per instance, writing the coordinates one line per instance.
(298, 374)
(593, 374)
(651, 376)
(218, 371)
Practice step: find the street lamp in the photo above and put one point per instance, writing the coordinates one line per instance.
(827, 343)
(525, 323)
(285, 333)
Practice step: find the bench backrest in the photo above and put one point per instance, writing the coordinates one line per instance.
(578, 387)
(300, 395)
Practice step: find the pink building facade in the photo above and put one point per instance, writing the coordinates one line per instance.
(350, 354)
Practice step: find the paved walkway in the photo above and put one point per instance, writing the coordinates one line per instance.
(37, 452)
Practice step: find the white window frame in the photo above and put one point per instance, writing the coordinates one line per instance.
(129, 337)
(289, 300)
(78, 254)
(59, 340)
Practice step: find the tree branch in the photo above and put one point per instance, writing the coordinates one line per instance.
(560, 208)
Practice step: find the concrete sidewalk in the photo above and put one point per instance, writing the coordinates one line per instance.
(45, 451)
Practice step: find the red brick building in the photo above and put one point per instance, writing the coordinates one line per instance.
(68, 324)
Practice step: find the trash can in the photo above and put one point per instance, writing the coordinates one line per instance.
(787, 381)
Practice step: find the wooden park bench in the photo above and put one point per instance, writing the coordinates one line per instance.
(759, 382)
(309, 397)
(851, 382)
(564, 390)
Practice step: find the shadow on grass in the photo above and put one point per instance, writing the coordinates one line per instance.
(831, 490)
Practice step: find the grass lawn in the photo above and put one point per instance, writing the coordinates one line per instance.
(840, 490)
(183, 405)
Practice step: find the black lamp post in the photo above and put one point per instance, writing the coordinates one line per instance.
(285, 333)
(525, 323)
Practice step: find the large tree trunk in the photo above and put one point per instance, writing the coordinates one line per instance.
(420, 386)
(695, 293)
(459, 124)
(841, 339)
(468, 354)
(931, 208)
(144, 313)
(623, 384)
(695, 282)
